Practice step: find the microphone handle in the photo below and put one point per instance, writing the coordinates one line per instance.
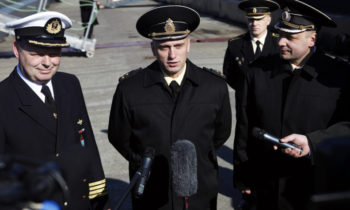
(140, 186)
(131, 185)
(281, 144)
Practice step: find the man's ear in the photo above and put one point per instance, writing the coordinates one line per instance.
(154, 48)
(188, 45)
(313, 38)
(15, 49)
(268, 19)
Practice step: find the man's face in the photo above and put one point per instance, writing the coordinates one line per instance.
(38, 64)
(258, 27)
(295, 47)
(172, 55)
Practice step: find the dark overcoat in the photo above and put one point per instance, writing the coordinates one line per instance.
(27, 128)
(239, 54)
(86, 7)
(283, 103)
(144, 114)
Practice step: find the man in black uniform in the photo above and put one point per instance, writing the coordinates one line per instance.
(43, 113)
(259, 41)
(171, 99)
(86, 7)
(301, 92)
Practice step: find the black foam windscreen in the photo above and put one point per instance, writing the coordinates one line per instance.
(184, 168)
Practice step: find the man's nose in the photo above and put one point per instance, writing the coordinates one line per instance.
(46, 61)
(172, 53)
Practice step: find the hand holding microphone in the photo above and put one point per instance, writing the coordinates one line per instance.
(289, 147)
(299, 140)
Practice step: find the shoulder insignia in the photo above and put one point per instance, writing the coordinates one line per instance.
(275, 35)
(129, 74)
(338, 59)
(237, 37)
(215, 72)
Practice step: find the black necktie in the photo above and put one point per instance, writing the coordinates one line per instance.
(258, 50)
(297, 71)
(49, 101)
(175, 88)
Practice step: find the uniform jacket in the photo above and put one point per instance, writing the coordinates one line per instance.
(144, 115)
(283, 103)
(27, 128)
(239, 54)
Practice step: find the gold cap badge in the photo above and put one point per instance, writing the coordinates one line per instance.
(254, 10)
(53, 26)
(169, 26)
(286, 16)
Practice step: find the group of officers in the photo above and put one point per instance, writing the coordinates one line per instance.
(283, 84)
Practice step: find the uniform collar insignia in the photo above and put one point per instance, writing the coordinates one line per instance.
(80, 122)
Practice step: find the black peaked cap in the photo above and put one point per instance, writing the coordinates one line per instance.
(168, 22)
(246, 4)
(298, 16)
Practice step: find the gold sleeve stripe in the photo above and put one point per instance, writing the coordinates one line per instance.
(97, 187)
(103, 181)
(97, 192)
(98, 195)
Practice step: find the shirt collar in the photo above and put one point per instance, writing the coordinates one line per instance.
(312, 51)
(34, 86)
(262, 39)
(295, 67)
(178, 79)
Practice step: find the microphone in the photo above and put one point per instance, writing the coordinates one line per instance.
(145, 171)
(263, 135)
(184, 168)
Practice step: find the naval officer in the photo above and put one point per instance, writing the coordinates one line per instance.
(43, 113)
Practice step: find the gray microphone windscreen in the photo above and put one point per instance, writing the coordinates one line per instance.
(184, 168)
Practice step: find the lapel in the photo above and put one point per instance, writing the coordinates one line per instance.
(268, 45)
(247, 48)
(312, 60)
(63, 105)
(154, 75)
(31, 104)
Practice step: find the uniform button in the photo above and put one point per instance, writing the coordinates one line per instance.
(57, 154)
(84, 196)
(84, 180)
(65, 203)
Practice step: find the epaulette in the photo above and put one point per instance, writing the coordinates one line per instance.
(275, 34)
(340, 60)
(237, 37)
(215, 72)
(129, 74)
